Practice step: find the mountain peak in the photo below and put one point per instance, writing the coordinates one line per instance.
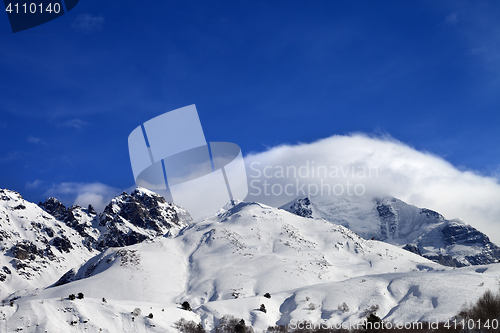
(141, 191)
(300, 207)
(132, 218)
(6, 195)
(54, 207)
(388, 219)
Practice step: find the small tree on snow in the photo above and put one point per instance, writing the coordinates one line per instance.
(263, 308)
(343, 308)
(185, 326)
(186, 306)
(240, 327)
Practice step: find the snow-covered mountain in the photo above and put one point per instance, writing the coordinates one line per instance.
(40, 243)
(225, 265)
(132, 218)
(36, 249)
(419, 230)
(128, 219)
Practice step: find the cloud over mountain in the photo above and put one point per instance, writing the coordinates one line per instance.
(83, 194)
(358, 164)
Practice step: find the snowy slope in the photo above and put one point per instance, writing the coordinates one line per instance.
(225, 264)
(36, 249)
(251, 249)
(419, 230)
(401, 298)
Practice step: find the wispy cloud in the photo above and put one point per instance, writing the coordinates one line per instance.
(34, 184)
(88, 23)
(13, 156)
(393, 169)
(83, 194)
(452, 18)
(36, 141)
(75, 123)
(480, 28)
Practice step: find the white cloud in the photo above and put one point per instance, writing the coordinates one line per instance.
(452, 18)
(33, 184)
(398, 170)
(37, 141)
(88, 23)
(83, 194)
(75, 123)
(379, 166)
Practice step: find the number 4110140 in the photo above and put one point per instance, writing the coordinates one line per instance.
(472, 324)
(33, 8)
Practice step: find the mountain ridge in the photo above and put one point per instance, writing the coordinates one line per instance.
(418, 230)
(225, 265)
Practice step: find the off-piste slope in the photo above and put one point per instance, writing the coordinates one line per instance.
(246, 250)
(250, 249)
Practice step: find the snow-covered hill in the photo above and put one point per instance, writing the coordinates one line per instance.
(224, 266)
(419, 230)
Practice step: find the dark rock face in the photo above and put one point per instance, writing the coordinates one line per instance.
(444, 259)
(3, 235)
(302, 207)
(66, 278)
(62, 244)
(128, 219)
(91, 210)
(116, 238)
(412, 248)
(431, 214)
(455, 233)
(388, 218)
(72, 217)
(26, 250)
(132, 218)
(54, 207)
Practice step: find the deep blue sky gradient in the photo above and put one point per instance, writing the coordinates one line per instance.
(261, 73)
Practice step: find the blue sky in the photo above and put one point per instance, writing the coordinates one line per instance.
(261, 73)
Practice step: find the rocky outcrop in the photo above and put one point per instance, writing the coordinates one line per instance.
(132, 218)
